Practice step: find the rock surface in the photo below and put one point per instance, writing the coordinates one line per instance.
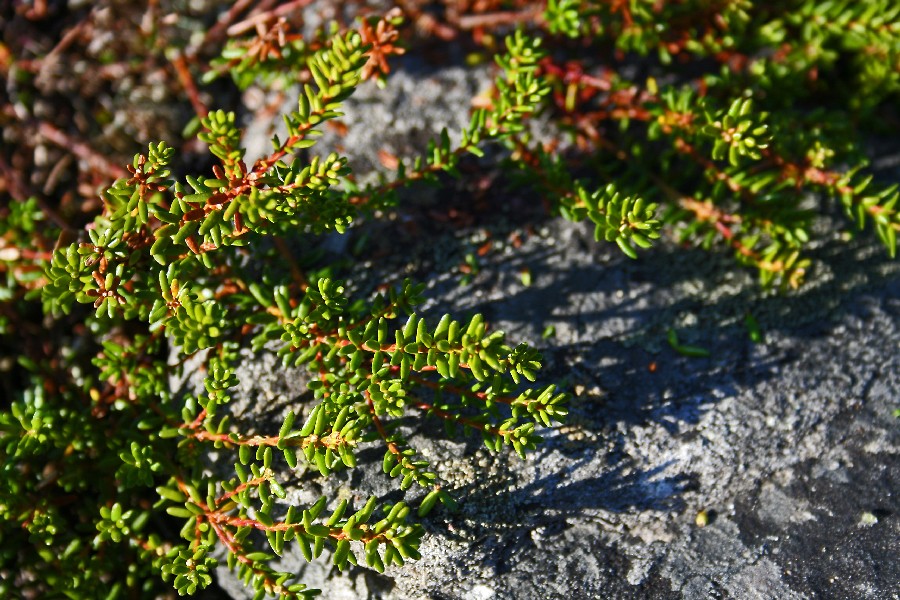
(767, 470)
(789, 447)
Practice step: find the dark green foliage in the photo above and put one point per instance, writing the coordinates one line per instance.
(719, 141)
(734, 153)
(166, 254)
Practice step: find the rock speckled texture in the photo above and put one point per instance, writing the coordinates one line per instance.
(789, 447)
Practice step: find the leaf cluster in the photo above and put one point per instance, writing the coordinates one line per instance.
(170, 258)
(100, 457)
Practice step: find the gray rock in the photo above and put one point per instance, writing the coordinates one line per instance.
(785, 445)
(789, 448)
(400, 119)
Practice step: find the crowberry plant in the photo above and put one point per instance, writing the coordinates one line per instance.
(716, 132)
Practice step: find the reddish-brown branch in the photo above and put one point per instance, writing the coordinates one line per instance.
(190, 87)
(225, 438)
(335, 533)
(262, 17)
(448, 416)
(705, 211)
(461, 391)
(67, 39)
(430, 169)
(81, 150)
(391, 446)
(240, 488)
(715, 172)
(574, 74)
(228, 540)
(218, 31)
(830, 180)
(199, 420)
(631, 106)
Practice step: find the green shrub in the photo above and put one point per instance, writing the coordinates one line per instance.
(721, 139)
